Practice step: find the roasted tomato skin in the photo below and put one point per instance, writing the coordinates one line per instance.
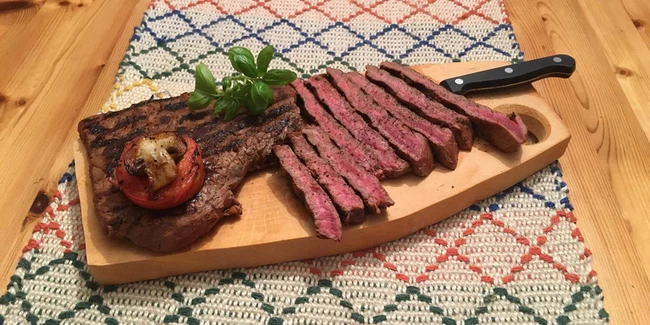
(188, 183)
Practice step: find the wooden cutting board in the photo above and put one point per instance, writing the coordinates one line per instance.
(275, 226)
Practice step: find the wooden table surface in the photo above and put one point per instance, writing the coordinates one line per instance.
(58, 61)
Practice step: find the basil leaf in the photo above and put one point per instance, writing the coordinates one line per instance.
(226, 83)
(261, 97)
(242, 60)
(242, 91)
(231, 110)
(240, 51)
(279, 77)
(199, 100)
(245, 66)
(204, 79)
(263, 60)
(253, 107)
(222, 104)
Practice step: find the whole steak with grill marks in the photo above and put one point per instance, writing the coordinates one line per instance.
(230, 150)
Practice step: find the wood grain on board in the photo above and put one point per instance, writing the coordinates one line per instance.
(607, 165)
(601, 108)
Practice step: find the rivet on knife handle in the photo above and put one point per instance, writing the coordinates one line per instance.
(559, 65)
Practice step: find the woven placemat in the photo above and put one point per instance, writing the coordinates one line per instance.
(516, 258)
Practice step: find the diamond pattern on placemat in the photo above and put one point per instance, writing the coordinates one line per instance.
(515, 258)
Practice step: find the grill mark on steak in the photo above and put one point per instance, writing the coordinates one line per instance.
(181, 130)
(128, 120)
(210, 141)
(340, 135)
(232, 146)
(441, 139)
(215, 137)
(174, 106)
(343, 197)
(411, 146)
(114, 147)
(97, 129)
(423, 105)
(136, 133)
(506, 133)
(374, 195)
(246, 148)
(101, 142)
(276, 127)
(390, 163)
(165, 119)
(279, 111)
(194, 116)
(326, 219)
(112, 154)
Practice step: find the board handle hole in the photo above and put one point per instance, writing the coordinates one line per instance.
(539, 128)
(531, 139)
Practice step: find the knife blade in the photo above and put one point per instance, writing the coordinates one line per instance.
(559, 65)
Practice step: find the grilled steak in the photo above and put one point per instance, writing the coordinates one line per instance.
(326, 218)
(411, 146)
(340, 135)
(374, 195)
(391, 164)
(230, 150)
(506, 133)
(441, 139)
(432, 110)
(342, 195)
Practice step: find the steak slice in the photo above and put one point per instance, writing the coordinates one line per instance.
(505, 133)
(343, 197)
(374, 195)
(411, 146)
(229, 150)
(441, 139)
(326, 219)
(340, 135)
(432, 110)
(391, 164)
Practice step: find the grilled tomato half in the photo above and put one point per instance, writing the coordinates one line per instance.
(160, 171)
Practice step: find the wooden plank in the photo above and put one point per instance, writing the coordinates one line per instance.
(639, 13)
(59, 68)
(626, 51)
(607, 162)
(16, 5)
(15, 19)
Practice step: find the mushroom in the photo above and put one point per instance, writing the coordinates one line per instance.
(156, 157)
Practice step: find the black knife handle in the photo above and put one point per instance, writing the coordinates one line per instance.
(559, 65)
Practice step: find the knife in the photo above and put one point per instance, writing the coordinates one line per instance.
(559, 65)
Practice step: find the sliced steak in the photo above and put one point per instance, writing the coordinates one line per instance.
(419, 102)
(326, 218)
(229, 149)
(441, 139)
(374, 195)
(340, 135)
(348, 203)
(411, 146)
(505, 133)
(391, 164)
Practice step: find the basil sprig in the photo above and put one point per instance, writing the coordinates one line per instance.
(250, 89)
